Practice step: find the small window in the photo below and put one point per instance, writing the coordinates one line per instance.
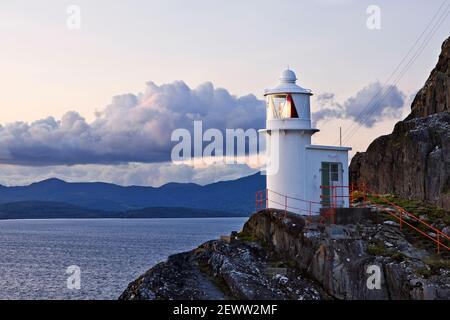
(334, 171)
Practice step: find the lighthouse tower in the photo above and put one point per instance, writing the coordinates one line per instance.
(301, 177)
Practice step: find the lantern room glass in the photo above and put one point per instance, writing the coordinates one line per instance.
(280, 106)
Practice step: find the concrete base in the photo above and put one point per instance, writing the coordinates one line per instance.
(345, 215)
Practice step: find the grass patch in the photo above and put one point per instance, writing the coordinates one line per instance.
(245, 237)
(376, 248)
(436, 263)
(424, 272)
(398, 256)
(357, 196)
(291, 264)
(446, 219)
(433, 213)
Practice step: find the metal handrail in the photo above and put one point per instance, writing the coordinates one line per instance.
(260, 199)
(435, 240)
(411, 215)
(439, 233)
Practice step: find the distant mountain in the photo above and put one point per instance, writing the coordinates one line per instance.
(60, 210)
(235, 196)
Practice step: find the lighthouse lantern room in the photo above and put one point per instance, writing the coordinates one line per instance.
(301, 177)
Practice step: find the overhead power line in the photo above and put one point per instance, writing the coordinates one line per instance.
(427, 34)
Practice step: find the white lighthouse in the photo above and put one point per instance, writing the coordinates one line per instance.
(301, 177)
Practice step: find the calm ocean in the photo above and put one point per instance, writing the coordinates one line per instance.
(34, 254)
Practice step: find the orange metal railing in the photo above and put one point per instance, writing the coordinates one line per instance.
(335, 195)
(263, 202)
(403, 216)
(330, 202)
(297, 205)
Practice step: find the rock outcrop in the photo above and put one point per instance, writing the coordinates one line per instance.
(413, 161)
(280, 256)
(221, 270)
(434, 97)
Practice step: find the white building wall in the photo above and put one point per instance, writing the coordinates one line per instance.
(287, 178)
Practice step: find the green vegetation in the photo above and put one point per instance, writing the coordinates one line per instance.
(418, 208)
(357, 196)
(424, 272)
(243, 236)
(429, 213)
(398, 256)
(291, 264)
(434, 265)
(446, 219)
(376, 248)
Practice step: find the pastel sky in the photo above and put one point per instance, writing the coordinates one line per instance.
(57, 85)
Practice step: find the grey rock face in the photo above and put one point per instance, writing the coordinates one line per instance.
(414, 161)
(220, 270)
(282, 257)
(434, 97)
(338, 257)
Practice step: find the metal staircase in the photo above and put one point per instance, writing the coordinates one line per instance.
(416, 228)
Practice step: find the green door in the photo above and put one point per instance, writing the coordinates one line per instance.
(331, 176)
(325, 183)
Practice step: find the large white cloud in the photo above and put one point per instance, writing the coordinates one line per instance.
(133, 128)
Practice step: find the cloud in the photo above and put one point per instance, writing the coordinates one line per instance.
(371, 104)
(136, 128)
(132, 128)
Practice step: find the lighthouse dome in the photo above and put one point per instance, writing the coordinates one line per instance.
(288, 76)
(287, 84)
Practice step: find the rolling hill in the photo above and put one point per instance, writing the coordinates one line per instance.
(234, 196)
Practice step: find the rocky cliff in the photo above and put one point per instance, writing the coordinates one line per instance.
(280, 256)
(414, 160)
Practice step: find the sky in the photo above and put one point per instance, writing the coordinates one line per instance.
(98, 102)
